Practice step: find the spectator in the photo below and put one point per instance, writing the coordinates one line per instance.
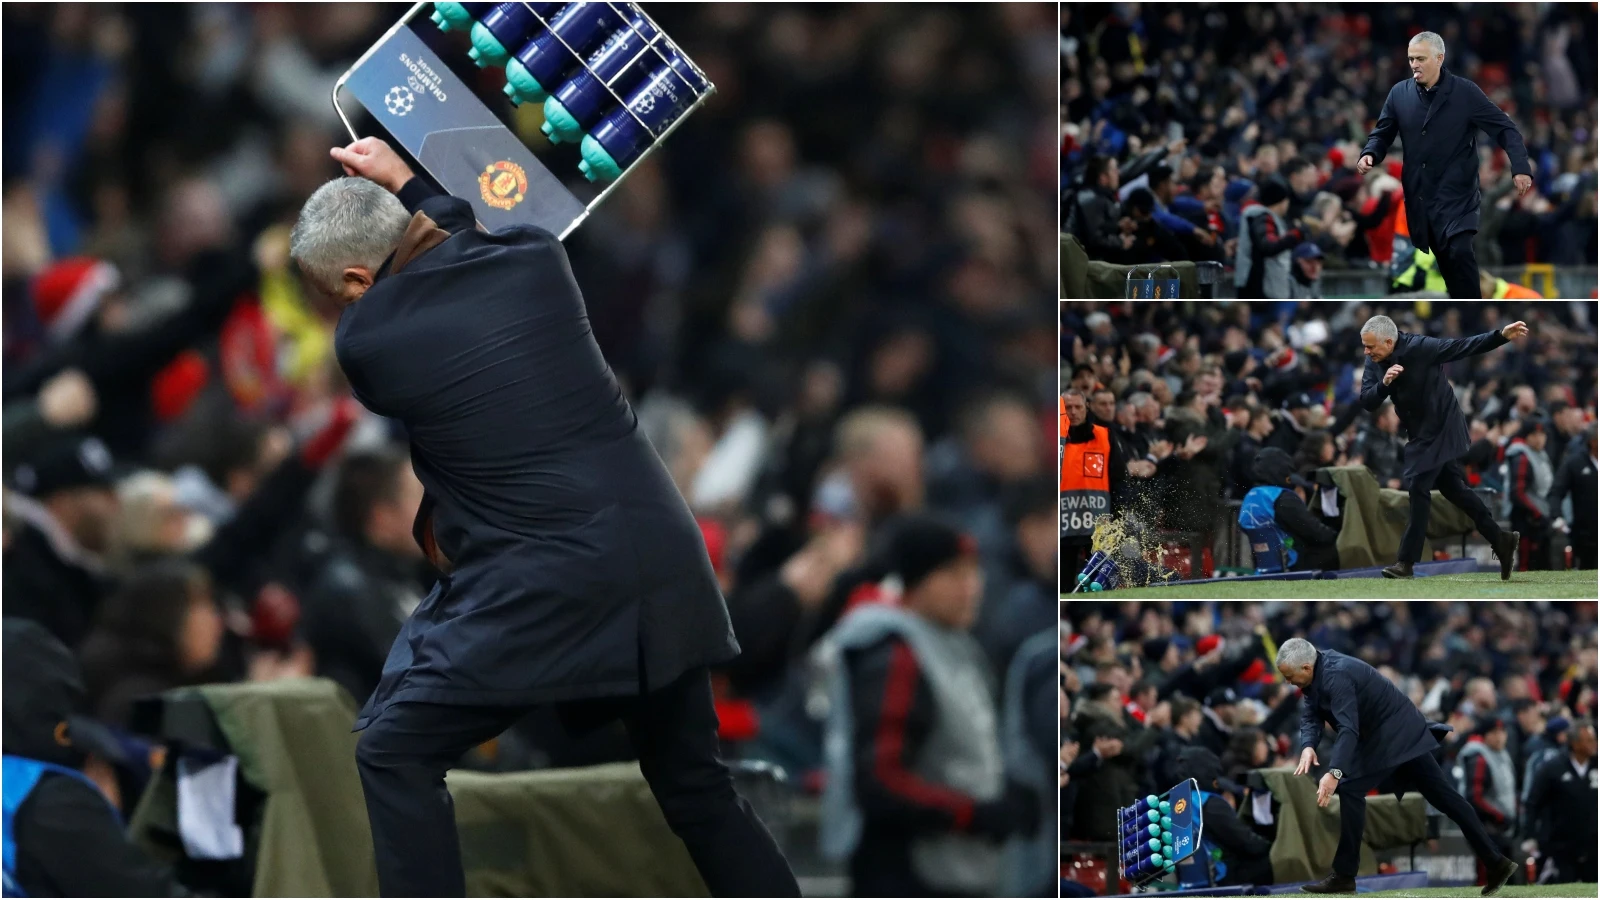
(161, 630)
(1380, 446)
(1243, 856)
(1095, 216)
(1307, 272)
(64, 802)
(913, 772)
(1152, 241)
(1561, 805)
(55, 567)
(1576, 478)
(374, 578)
(1529, 477)
(1261, 267)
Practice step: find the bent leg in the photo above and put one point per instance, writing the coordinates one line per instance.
(1421, 511)
(1424, 776)
(674, 731)
(402, 757)
(1453, 485)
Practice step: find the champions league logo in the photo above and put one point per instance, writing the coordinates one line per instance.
(398, 101)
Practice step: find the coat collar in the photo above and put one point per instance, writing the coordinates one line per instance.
(1443, 89)
(422, 234)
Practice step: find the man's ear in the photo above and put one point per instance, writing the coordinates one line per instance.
(357, 277)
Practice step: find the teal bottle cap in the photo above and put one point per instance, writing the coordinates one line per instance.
(450, 16)
(598, 165)
(559, 123)
(526, 86)
(486, 50)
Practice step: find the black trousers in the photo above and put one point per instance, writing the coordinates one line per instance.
(1453, 485)
(1458, 263)
(404, 754)
(1422, 775)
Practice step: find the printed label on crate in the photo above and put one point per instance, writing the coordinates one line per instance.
(469, 151)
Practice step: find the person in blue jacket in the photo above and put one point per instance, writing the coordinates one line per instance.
(63, 833)
(1406, 368)
(572, 570)
(1381, 741)
(1284, 535)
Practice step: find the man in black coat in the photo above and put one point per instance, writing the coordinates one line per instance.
(1561, 808)
(573, 571)
(1381, 741)
(1576, 478)
(1405, 368)
(1437, 116)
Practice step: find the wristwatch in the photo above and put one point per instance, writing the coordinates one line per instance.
(1338, 774)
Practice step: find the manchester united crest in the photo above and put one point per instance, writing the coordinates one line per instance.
(503, 184)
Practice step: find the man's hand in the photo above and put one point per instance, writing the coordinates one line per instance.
(1193, 445)
(1107, 747)
(1325, 789)
(375, 161)
(1308, 758)
(1524, 184)
(1392, 374)
(1141, 468)
(1160, 449)
(1365, 165)
(68, 399)
(1515, 329)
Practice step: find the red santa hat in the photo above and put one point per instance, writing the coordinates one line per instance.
(66, 294)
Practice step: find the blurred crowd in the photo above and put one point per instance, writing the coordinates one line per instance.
(1144, 684)
(1193, 393)
(827, 297)
(1178, 119)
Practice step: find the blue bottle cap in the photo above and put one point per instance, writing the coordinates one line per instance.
(526, 86)
(1166, 821)
(1152, 799)
(559, 125)
(1155, 830)
(1166, 807)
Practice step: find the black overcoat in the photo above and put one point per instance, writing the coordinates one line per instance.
(577, 570)
(1376, 728)
(1423, 398)
(1440, 175)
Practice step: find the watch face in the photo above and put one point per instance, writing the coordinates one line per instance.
(1337, 773)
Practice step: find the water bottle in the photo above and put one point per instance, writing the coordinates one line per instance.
(507, 25)
(624, 60)
(545, 60)
(651, 109)
(458, 16)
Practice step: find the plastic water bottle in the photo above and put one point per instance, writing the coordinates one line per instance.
(458, 16)
(652, 107)
(624, 60)
(544, 60)
(507, 25)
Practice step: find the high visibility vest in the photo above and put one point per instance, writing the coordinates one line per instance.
(1424, 261)
(1085, 481)
(1504, 290)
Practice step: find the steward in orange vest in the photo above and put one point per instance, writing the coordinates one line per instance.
(1086, 466)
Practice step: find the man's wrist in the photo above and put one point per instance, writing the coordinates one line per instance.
(1338, 774)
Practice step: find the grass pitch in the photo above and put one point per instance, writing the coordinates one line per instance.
(1477, 586)
(1530, 890)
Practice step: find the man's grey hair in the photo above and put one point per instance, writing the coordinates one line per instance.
(1382, 326)
(1138, 399)
(1434, 43)
(1296, 652)
(348, 222)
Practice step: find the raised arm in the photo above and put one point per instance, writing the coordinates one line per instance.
(1444, 350)
(376, 161)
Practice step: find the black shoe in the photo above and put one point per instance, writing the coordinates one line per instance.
(1333, 884)
(1499, 875)
(1505, 550)
(1399, 570)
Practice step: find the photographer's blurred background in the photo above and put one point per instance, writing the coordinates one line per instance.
(827, 295)
(1178, 117)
